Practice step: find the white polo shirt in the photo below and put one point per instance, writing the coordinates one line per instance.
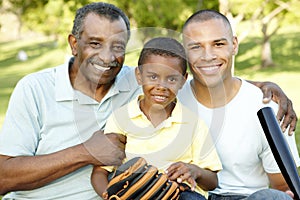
(46, 114)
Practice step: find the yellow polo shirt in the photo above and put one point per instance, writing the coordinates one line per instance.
(181, 137)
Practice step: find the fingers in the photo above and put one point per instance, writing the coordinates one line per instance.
(181, 172)
(267, 95)
(175, 171)
(286, 114)
(122, 138)
(192, 183)
(106, 149)
(289, 120)
(117, 139)
(290, 193)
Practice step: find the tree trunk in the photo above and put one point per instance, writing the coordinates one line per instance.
(266, 53)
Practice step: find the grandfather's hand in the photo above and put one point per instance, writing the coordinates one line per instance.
(106, 149)
(286, 113)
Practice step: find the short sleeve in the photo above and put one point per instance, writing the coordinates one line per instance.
(21, 127)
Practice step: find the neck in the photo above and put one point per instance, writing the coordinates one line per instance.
(217, 96)
(156, 114)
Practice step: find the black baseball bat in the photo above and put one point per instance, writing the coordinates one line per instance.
(280, 149)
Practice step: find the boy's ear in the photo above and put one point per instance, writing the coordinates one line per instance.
(138, 75)
(184, 79)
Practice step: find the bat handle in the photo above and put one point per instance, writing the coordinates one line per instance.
(280, 149)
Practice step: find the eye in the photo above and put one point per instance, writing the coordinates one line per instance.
(195, 47)
(173, 79)
(153, 77)
(219, 44)
(95, 45)
(119, 48)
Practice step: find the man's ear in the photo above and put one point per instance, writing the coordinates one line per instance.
(235, 45)
(138, 75)
(73, 44)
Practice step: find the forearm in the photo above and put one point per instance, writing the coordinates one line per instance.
(99, 180)
(278, 182)
(207, 179)
(31, 172)
(256, 83)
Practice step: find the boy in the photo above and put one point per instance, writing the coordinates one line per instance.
(159, 128)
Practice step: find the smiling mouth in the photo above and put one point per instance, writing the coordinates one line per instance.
(101, 68)
(159, 98)
(211, 68)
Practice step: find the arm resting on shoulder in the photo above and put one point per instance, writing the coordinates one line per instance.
(286, 113)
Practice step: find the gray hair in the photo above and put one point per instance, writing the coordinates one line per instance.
(107, 10)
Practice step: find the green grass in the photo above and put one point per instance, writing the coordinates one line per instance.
(41, 54)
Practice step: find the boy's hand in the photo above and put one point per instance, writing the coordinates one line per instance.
(181, 172)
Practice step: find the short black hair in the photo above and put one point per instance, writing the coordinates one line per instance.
(205, 15)
(163, 46)
(107, 10)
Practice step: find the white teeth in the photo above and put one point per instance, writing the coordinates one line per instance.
(209, 68)
(101, 68)
(160, 97)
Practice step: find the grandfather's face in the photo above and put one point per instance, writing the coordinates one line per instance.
(210, 47)
(100, 50)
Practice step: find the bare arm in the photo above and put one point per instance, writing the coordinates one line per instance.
(277, 182)
(99, 180)
(286, 112)
(30, 172)
(205, 179)
(26, 173)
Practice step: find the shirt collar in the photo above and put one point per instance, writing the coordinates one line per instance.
(64, 91)
(63, 88)
(176, 116)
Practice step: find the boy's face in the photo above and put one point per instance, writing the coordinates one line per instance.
(161, 77)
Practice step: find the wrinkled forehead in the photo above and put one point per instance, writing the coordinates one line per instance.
(98, 26)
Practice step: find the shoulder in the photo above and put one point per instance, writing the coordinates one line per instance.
(250, 89)
(38, 81)
(41, 77)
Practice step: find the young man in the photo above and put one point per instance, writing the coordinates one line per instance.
(229, 106)
(159, 128)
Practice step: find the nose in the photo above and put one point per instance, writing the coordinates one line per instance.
(162, 85)
(106, 55)
(208, 54)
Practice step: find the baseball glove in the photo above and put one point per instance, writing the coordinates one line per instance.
(136, 179)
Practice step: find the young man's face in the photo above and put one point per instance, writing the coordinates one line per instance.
(161, 77)
(210, 47)
(100, 50)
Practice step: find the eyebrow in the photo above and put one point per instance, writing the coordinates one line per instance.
(214, 41)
